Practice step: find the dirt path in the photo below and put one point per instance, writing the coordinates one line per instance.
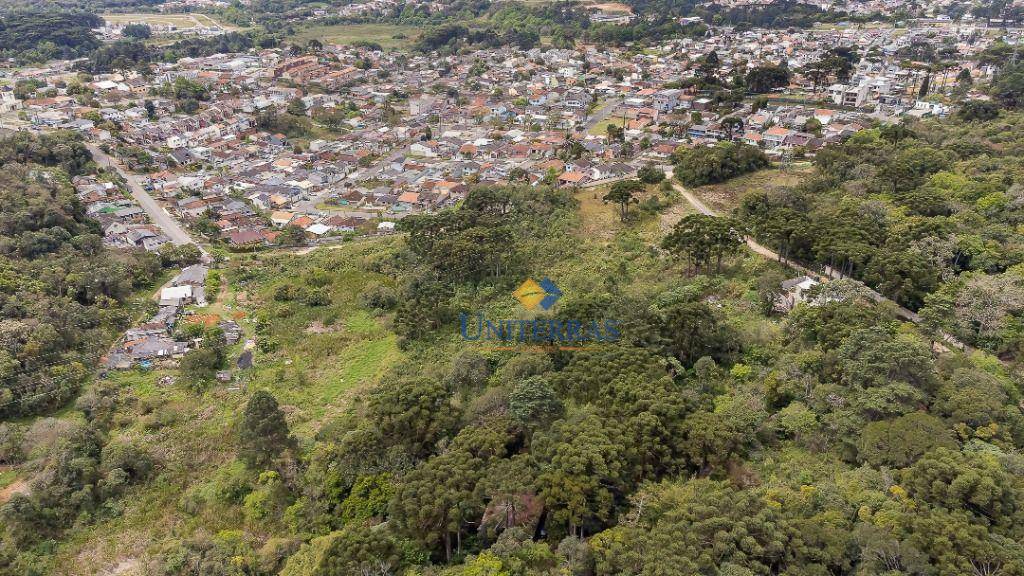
(16, 487)
(829, 273)
(673, 215)
(126, 567)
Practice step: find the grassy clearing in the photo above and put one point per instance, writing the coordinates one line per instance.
(7, 477)
(389, 36)
(600, 220)
(180, 21)
(726, 196)
(319, 355)
(597, 219)
(601, 128)
(336, 209)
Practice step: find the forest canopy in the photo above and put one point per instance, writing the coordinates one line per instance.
(61, 290)
(37, 36)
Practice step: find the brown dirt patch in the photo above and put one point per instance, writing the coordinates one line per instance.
(207, 320)
(317, 327)
(17, 487)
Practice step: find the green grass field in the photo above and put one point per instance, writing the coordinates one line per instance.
(387, 35)
(7, 477)
(601, 128)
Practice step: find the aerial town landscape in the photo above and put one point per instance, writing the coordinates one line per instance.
(460, 287)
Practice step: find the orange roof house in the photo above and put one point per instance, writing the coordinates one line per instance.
(572, 178)
(409, 197)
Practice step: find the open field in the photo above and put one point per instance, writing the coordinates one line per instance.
(601, 128)
(609, 7)
(726, 196)
(181, 21)
(600, 221)
(387, 35)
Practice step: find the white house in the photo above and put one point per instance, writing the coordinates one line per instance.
(794, 291)
(318, 229)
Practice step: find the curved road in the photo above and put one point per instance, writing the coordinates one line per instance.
(167, 223)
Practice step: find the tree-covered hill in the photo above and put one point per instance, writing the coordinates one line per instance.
(930, 215)
(375, 434)
(61, 291)
(40, 35)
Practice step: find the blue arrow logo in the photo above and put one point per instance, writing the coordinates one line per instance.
(552, 291)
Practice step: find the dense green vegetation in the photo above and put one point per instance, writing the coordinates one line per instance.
(712, 164)
(47, 32)
(566, 22)
(929, 215)
(1008, 86)
(832, 440)
(37, 36)
(766, 78)
(43, 33)
(62, 292)
(90, 5)
(717, 436)
(64, 298)
(783, 14)
(137, 31)
(480, 24)
(455, 36)
(133, 54)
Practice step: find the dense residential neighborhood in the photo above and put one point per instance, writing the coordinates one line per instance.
(377, 135)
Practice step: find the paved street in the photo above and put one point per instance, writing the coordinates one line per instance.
(602, 113)
(167, 223)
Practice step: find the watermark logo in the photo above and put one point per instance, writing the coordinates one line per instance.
(541, 332)
(533, 295)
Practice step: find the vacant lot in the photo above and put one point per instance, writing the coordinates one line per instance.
(387, 35)
(726, 196)
(600, 220)
(181, 21)
(601, 128)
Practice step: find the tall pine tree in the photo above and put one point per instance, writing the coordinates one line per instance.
(263, 433)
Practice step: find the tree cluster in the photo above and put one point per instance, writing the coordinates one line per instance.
(928, 216)
(710, 165)
(40, 35)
